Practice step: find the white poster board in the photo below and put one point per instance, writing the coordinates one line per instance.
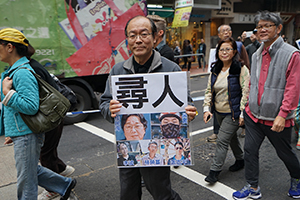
(152, 127)
(212, 58)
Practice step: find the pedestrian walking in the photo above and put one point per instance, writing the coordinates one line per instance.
(274, 95)
(140, 32)
(225, 97)
(21, 95)
(49, 155)
(251, 48)
(187, 49)
(224, 31)
(177, 51)
(201, 49)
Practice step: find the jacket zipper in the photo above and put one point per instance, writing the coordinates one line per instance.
(229, 97)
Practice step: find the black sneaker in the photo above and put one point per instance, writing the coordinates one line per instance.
(68, 192)
(239, 164)
(212, 176)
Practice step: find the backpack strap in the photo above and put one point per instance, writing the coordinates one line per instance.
(11, 74)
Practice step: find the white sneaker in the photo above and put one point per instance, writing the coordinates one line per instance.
(45, 195)
(68, 171)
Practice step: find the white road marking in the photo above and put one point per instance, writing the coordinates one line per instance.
(196, 177)
(192, 175)
(198, 98)
(202, 131)
(97, 131)
(197, 91)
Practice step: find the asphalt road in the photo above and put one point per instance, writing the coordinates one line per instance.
(89, 147)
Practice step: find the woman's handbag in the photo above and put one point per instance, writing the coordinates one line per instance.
(53, 107)
(191, 59)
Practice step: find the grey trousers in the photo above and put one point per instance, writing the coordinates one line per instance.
(255, 135)
(226, 136)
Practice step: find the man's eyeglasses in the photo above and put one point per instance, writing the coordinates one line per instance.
(225, 30)
(137, 126)
(178, 148)
(227, 50)
(266, 26)
(133, 37)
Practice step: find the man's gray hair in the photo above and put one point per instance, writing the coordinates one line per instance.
(219, 29)
(268, 16)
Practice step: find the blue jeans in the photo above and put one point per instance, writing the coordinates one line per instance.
(27, 152)
(199, 61)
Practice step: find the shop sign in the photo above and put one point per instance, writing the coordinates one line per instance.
(182, 17)
(246, 18)
(207, 4)
(200, 15)
(225, 11)
(183, 3)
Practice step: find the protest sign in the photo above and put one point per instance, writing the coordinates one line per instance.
(152, 127)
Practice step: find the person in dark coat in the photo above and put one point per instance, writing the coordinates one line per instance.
(187, 49)
(140, 32)
(251, 48)
(201, 49)
(160, 44)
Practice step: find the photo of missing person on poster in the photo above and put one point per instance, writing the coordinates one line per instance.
(125, 155)
(169, 125)
(152, 155)
(179, 152)
(155, 139)
(132, 127)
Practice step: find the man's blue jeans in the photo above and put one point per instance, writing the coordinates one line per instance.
(27, 152)
(199, 61)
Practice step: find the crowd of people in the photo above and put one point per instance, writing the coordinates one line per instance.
(184, 54)
(254, 90)
(268, 110)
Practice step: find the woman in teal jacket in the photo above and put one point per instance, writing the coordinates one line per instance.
(20, 94)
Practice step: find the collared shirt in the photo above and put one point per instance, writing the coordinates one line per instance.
(291, 88)
(157, 160)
